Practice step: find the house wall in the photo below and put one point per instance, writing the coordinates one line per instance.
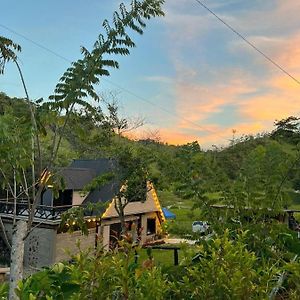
(39, 246)
(105, 236)
(66, 244)
(77, 198)
(116, 220)
(39, 250)
(47, 198)
(44, 247)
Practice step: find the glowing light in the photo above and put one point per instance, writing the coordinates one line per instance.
(156, 201)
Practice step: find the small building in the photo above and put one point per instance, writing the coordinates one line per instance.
(144, 218)
(48, 242)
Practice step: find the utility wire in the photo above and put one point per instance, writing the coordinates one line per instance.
(117, 85)
(248, 42)
(35, 43)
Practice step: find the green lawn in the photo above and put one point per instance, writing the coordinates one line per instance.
(183, 209)
(161, 257)
(165, 258)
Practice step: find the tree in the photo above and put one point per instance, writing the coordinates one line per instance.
(7, 52)
(287, 129)
(114, 120)
(76, 84)
(131, 175)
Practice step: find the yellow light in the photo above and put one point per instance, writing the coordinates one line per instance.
(94, 219)
(89, 220)
(74, 223)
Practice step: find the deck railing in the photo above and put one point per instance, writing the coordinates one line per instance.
(22, 209)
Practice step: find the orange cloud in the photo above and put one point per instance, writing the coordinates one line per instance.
(258, 97)
(176, 137)
(221, 136)
(288, 54)
(196, 102)
(283, 96)
(214, 134)
(271, 99)
(271, 107)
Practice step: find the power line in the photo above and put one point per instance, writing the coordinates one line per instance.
(249, 43)
(116, 85)
(35, 43)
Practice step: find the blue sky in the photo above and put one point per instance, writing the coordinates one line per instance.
(186, 63)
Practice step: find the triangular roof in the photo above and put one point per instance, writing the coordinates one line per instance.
(151, 204)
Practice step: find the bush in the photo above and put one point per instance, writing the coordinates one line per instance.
(3, 291)
(226, 270)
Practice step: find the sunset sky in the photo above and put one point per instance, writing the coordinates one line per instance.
(190, 77)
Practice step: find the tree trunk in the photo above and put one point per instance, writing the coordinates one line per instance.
(123, 223)
(119, 206)
(17, 256)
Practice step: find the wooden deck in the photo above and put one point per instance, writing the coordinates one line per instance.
(4, 273)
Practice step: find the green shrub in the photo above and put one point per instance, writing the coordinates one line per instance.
(3, 291)
(51, 283)
(226, 270)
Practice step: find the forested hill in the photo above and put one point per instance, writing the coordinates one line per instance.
(252, 167)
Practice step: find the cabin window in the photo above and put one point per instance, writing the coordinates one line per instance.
(151, 226)
(65, 198)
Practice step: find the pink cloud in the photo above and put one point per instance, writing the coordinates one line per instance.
(197, 102)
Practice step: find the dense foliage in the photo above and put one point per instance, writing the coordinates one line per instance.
(224, 268)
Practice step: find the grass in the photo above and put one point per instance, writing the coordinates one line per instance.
(165, 258)
(169, 199)
(161, 257)
(183, 209)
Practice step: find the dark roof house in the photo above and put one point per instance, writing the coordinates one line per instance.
(47, 242)
(76, 177)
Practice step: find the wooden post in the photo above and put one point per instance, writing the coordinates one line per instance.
(176, 260)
